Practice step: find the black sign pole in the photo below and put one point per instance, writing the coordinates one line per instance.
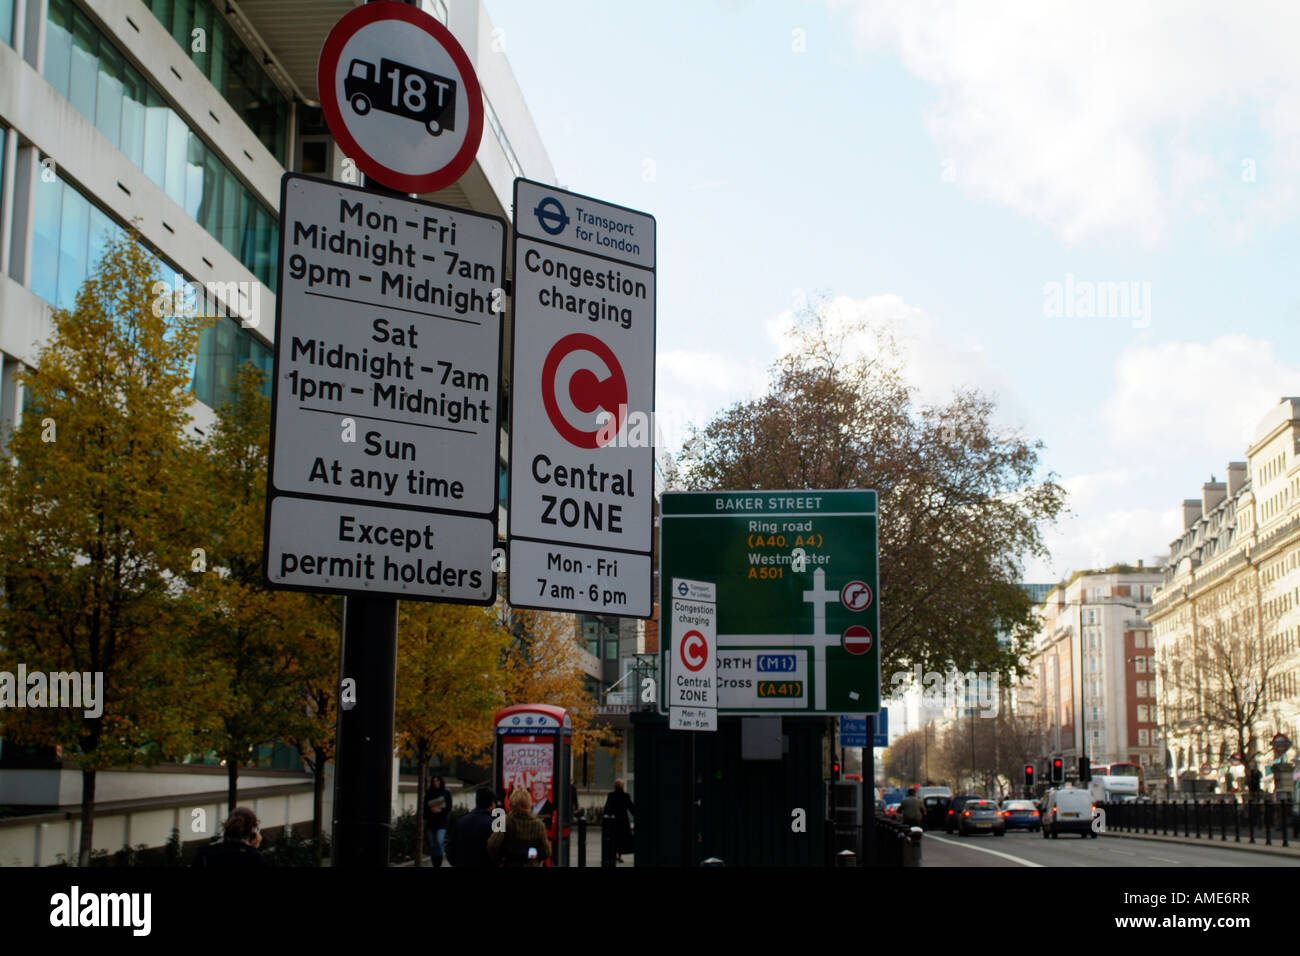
(869, 793)
(363, 752)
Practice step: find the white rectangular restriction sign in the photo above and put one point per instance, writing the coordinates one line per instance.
(693, 666)
(596, 582)
(582, 396)
(388, 350)
(337, 546)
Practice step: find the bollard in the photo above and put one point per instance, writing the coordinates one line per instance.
(607, 853)
(712, 861)
(846, 858)
(582, 841)
(911, 844)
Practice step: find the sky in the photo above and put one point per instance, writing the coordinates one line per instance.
(971, 176)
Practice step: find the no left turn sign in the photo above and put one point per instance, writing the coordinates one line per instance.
(400, 96)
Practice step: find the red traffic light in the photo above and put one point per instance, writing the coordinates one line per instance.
(1057, 764)
(1029, 770)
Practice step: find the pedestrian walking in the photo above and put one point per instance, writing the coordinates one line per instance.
(238, 848)
(911, 810)
(437, 814)
(523, 842)
(467, 841)
(619, 806)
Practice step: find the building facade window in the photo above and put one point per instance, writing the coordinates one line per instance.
(230, 66)
(69, 237)
(1144, 738)
(84, 66)
(7, 21)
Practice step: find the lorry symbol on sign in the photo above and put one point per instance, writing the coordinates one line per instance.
(404, 91)
(583, 391)
(551, 216)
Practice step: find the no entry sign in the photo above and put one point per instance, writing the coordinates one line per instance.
(582, 401)
(400, 96)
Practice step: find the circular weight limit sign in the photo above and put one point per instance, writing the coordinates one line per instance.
(856, 640)
(400, 96)
(580, 377)
(695, 651)
(856, 595)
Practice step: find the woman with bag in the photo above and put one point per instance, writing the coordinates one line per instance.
(523, 842)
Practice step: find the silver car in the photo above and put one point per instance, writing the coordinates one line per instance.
(981, 816)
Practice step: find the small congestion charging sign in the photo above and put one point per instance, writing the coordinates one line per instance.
(400, 96)
(693, 668)
(582, 400)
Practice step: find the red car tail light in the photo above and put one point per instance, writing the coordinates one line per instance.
(966, 813)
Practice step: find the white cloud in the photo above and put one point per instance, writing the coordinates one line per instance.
(935, 363)
(691, 387)
(1096, 117)
(1189, 398)
(1098, 540)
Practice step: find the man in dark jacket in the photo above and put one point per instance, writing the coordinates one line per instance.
(467, 841)
(911, 811)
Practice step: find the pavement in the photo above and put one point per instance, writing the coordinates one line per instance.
(594, 857)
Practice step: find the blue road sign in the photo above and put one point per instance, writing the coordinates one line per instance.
(853, 730)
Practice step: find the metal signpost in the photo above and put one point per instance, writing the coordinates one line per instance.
(582, 400)
(378, 448)
(796, 573)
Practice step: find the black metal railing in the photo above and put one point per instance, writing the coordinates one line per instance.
(1256, 821)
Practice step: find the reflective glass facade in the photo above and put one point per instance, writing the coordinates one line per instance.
(7, 21)
(232, 68)
(68, 238)
(84, 66)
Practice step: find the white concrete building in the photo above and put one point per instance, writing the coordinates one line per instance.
(181, 116)
(1103, 706)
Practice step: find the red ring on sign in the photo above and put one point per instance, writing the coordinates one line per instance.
(614, 387)
(696, 640)
(327, 66)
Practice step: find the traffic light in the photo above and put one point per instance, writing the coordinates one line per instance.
(1085, 769)
(1058, 770)
(1029, 775)
(835, 771)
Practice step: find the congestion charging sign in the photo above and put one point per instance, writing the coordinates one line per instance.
(400, 96)
(798, 621)
(582, 398)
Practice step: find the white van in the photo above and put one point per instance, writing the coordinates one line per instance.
(1068, 810)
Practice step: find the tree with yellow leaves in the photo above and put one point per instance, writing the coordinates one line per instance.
(544, 666)
(448, 685)
(97, 528)
(266, 651)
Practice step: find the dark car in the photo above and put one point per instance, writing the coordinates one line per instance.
(936, 813)
(954, 811)
(1021, 815)
(981, 816)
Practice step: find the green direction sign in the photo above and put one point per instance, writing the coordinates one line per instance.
(798, 614)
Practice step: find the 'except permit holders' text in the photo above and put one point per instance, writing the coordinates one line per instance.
(415, 566)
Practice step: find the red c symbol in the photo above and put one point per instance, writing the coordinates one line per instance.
(585, 390)
(695, 651)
